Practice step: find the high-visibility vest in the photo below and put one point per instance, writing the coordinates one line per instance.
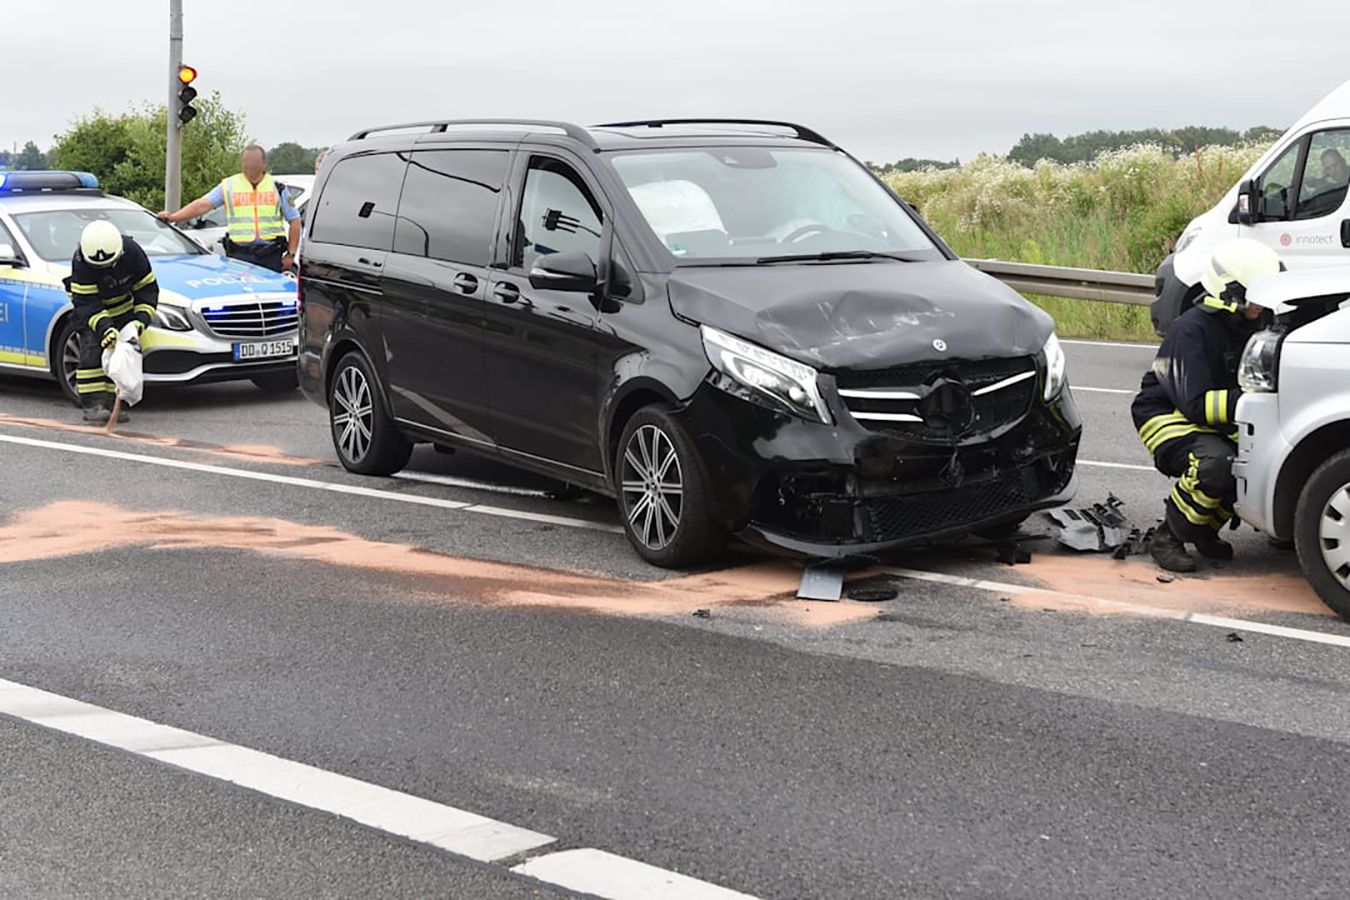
(253, 214)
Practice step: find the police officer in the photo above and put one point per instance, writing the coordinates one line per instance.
(111, 285)
(1184, 409)
(263, 225)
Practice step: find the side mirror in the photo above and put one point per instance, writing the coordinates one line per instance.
(9, 256)
(574, 272)
(1248, 203)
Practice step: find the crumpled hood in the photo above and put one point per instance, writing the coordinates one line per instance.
(865, 315)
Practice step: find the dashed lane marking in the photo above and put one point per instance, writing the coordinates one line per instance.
(1096, 390)
(453, 830)
(1116, 344)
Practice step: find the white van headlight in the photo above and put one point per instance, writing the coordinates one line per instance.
(762, 376)
(1056, 367)
(1259, 370)
(170, 319)
(1187, 237)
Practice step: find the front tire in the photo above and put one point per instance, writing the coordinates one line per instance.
(365, 437)
(66, 359)
(663, 497)
(1322, 532)
(277, 382)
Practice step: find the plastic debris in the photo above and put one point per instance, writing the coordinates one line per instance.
(1136, 544)
(1234, 638)
(822, 582)
(703, 614)
(1166, 579)
(1092, 529)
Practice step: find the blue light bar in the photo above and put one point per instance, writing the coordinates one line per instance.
(46, 181)
(87, 179)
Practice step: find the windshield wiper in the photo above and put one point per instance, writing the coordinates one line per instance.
(833, 255)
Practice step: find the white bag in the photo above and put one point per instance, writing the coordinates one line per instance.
(122, 362)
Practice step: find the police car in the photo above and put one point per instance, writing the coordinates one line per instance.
(218, 319)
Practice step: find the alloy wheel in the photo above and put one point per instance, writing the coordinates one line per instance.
(70, 359)
(353, 414)
(653, 487)
(1333, 533)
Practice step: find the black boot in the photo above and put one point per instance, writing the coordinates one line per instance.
(96, 413)
(1215, 548)
(1169, 552)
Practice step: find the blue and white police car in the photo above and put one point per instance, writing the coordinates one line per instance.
(218, 319)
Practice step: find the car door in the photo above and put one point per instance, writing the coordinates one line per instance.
(13, 288)
(540, 345)
(1304, 209)
(436, 285)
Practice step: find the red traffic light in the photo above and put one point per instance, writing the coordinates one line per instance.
(187, 74)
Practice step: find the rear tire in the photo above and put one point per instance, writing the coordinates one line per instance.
(366, 438)
(663, 496)
(277, 382)
(66, 359)
(1322, 532)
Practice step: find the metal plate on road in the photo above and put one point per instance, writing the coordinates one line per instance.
(264, 350)
(821, 583)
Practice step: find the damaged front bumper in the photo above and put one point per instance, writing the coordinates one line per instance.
(833, 491)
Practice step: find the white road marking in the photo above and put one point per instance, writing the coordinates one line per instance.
(616, 878)
(394, 812)
(470, 484)
(1097, 390)
(313, 484)
(1133, 467)
(1122, 344)
(1157, 612)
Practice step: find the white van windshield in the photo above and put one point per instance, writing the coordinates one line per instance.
(741, 203)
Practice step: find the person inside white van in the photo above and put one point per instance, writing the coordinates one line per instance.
(1335, 174)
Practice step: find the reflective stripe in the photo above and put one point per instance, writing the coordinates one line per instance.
(88, 373)
(1216, 303)
(145, 308)
(1152, 426)
(253, 214)
(148, 279)
(1216, 407)
(101, 314)
(1222, 404)
(1192, 516)
(96, 387)
(83, 289)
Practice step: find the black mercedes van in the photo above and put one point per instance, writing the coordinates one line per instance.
(731, 327)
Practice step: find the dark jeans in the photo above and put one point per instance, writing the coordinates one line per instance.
(1201, 503)
(266, 255)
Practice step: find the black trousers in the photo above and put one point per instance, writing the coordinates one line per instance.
(266, 255)
(91, 382)
(1201, 502)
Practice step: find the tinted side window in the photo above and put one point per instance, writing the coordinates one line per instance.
(557, 214)
(359, 201)
(449, 204)
(1326, 174)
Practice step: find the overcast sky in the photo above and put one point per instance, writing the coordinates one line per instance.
(885, 79)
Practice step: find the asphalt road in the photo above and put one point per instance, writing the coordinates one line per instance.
(1073, 727)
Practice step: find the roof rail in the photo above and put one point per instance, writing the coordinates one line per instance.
(437, 126)
(801, 131)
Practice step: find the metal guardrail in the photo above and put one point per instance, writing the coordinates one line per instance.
(1076, 284)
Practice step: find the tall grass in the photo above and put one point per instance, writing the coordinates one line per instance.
(1123, 211)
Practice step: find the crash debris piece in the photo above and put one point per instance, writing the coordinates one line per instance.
(702, 614)
(1092, 529)
(822, 582)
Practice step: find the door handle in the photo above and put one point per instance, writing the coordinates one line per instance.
(506, 293)
(1345, 233)
(465, 283)
(369, 262)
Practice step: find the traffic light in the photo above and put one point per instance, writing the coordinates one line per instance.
(186, 75)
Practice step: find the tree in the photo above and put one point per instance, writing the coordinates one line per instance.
(6, 159)
(1085, 147)
(290, 158)
(910, 164)
(126, 151)
(30, 157)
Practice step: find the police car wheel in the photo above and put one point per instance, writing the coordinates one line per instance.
(1322, 532)
(365, 437)
(66, 359)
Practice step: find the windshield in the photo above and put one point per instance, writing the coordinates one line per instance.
(55, 233)
(747, 203)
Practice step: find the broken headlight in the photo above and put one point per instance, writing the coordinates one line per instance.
(764, 377)
(1259, 370)
(170, 319)
(1055, 367)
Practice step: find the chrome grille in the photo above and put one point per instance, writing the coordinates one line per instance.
(939, 401)
(252, 319)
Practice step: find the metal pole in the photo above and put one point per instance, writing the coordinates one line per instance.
(173, 157)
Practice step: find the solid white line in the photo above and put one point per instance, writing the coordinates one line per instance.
(613, 877)
(1123, 344)
(394, 812)
(316, 485)
(1095, 390)
(996, 587)
(1110, 465)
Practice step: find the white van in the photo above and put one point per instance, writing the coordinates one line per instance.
(1293, 199)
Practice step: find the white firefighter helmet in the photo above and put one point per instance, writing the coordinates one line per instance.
(101, 243)
(1231, 269)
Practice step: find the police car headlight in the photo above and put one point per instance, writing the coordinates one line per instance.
(1259, 370)
(171, 320)
(1056, 368)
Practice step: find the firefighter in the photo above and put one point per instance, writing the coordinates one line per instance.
(263, 224)
(1185, 406)
(111, 285)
